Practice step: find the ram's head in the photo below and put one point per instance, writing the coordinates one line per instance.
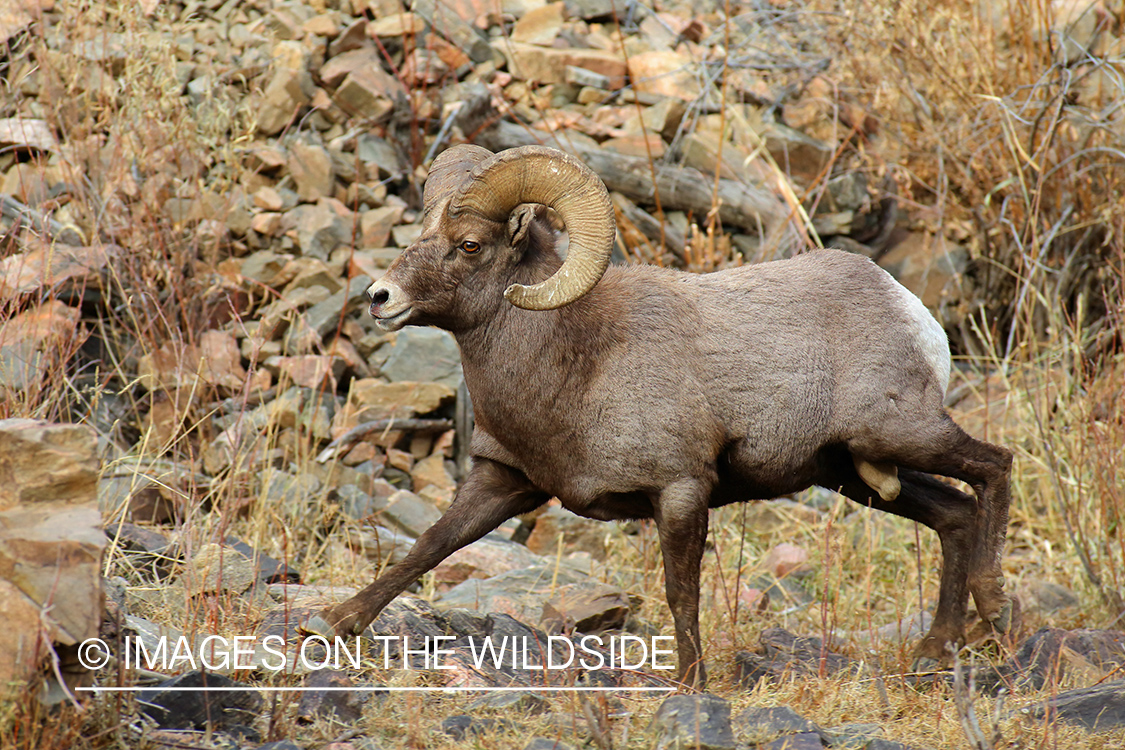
(482, 242)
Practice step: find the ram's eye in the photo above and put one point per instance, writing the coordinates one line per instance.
(469, 247)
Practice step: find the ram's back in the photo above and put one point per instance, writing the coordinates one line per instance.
(781, 357)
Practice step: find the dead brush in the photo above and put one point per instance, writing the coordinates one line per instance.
(997, 141)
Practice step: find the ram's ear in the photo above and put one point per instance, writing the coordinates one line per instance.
(519, 224)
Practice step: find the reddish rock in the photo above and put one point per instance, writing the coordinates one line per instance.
(267, 224)
(403, 399)
(585, 608)
(310, 166)
(45, 266)
(370, 93)
(529, 62)
(664, 73)
(926, 264)
(31, 342)
(431, 471)
(25, 132)
(483, 559)
(577, 534)
(399, 24)
(375, 225)
(287, 91)
(51, 544)
(339, 67)
(215, 361)
(309, 371)
(649, 145)
(539, 25)
(787, 559)
(351, 38)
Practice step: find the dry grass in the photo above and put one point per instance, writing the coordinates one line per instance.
(994, 137)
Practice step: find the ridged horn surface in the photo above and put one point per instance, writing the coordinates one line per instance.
(447, 172)
(537, 174)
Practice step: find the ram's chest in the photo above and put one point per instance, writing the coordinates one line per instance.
(539, 442)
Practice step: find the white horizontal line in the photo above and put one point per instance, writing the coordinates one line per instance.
(338, 689)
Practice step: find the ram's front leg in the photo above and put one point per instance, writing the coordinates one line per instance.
(492, 494)
(681, 520)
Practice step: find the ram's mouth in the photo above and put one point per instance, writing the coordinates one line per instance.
(392, 322)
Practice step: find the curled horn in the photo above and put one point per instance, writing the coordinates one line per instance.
(447, 172)
(537, 174)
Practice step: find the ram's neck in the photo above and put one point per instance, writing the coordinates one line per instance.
(525, 366)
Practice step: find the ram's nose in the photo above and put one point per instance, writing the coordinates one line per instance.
(390, 305)
(378, 296)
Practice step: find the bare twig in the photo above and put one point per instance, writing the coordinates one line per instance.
(356, 434)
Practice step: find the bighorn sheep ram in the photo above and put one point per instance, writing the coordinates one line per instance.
(641, 392)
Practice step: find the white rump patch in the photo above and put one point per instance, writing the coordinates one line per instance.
(928, 334)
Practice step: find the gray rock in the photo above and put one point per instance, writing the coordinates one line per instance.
(172, 707)
(520, 702)
(879, 744)
(354, 502)
(269, 569)
(699, 722)
(342, 705)
(21, 363)
(380, 543)
(589, 8)
(799, 741)
(852, 736)
(519, 593)
(1045, 597)
(1048, 654)
(216, 569)
(289, 494)
(758, 725)
(408, 512)
(463, 726)
(544, 743)
(423, 355)
(319, 229)
(405, 235)
(324, 316)
(373, 150)
(135, 498)
(899, 632)
(263, 266)
(782, 592)
(484, 558)
(783, 654)
(588, 607)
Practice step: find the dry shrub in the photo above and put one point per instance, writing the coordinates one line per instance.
(1005, 127)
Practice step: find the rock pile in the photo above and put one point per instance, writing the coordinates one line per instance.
(197, 261)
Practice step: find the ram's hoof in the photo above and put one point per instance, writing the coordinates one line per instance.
(316, 625)
(1002, 621)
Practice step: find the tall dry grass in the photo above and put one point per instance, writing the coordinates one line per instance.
(998, 135)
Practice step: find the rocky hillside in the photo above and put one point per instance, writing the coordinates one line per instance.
(194, 196)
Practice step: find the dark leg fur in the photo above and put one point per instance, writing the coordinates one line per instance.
(949, 512)
(944, 448)
(492, 494)
(681, 516)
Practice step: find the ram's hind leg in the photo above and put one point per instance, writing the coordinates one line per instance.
(938, 446)
(951, 514)
(988, 469)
